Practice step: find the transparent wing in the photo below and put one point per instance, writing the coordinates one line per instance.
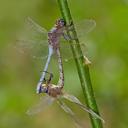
(32, 39)
(70, 112)
(66, 51)
(43, 103)
(35, 26)
(76, 101)
(84, 27)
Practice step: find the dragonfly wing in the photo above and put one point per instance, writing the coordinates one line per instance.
(65, 107)
(32, 39)
(35, 26)
(35, 50)
(70, 112)
(66, 52)
(85, 26)
(43, 103)
(77, 101)
(82, 28)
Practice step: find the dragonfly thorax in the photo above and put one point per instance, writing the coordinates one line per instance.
(54, 90)
(55, 33)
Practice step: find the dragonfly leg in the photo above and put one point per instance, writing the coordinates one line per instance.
(50, 77)
(41, 88)
(70, 26)
(68, 37)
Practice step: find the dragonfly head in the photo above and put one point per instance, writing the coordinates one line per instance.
(44, 88)
(60, 23)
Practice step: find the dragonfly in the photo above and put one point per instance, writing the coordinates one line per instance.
(53, 38)
(52, 91)
(55, 93)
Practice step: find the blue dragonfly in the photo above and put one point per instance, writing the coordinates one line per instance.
(55, 92)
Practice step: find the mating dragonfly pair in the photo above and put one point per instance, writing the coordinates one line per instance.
(55, 92)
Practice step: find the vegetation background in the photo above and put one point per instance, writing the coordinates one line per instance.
(106, 47)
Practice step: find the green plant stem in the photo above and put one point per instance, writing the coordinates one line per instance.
(82, 67)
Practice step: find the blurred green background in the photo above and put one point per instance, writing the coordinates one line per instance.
(107, 48)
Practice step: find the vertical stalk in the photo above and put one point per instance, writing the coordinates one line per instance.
(82, 67)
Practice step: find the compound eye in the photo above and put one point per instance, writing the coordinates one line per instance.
(62, 22)
(44, 88)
